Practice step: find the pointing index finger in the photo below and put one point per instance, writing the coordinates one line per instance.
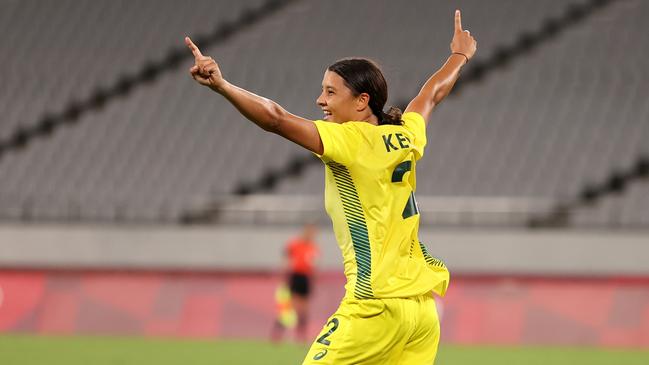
(195, 51)
(458, 21)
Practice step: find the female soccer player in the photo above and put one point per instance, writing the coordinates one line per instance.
(388, 314)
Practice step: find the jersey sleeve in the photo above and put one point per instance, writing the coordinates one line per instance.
(415, 123)
(340, 141)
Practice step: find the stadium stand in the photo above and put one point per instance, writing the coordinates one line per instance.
(58, 53)
(540, 127)
(84, 171)
(532, 131)
(626, 211)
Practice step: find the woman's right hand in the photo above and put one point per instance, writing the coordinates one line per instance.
(205, 70)
(462, 43)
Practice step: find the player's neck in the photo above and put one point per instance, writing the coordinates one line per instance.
(369, 118)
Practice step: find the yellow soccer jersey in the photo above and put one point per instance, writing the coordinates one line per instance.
(369, 195)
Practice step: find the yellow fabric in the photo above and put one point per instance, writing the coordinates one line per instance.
(369, 186)
(286, 314)
(379, 331)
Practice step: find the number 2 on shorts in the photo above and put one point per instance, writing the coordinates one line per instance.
(323, 339)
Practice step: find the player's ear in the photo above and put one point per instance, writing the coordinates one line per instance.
(362, 101)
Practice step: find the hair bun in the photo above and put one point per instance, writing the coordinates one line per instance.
(393, 116)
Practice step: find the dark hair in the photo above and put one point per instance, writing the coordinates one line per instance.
(364, 76)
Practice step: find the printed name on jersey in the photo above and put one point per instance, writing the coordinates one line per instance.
(400, 138)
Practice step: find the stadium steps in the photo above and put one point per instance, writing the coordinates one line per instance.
(621, 200)
(95, 62)
(171, 147)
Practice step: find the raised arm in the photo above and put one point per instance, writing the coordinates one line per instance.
(438, 86)
(264, 112)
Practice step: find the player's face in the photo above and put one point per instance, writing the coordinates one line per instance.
(336, 100)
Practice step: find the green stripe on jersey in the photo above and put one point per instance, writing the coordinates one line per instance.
(357, 229)
(430, 260)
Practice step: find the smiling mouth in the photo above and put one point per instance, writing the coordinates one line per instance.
(327, 114)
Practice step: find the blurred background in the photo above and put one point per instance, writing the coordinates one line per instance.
(142, 219)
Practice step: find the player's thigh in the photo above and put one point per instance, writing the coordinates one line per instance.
(360, 332)
(422, 347)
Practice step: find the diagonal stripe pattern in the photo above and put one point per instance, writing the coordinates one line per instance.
(430, 260)
(357, 229)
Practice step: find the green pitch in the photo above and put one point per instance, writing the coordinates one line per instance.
(37, 350)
